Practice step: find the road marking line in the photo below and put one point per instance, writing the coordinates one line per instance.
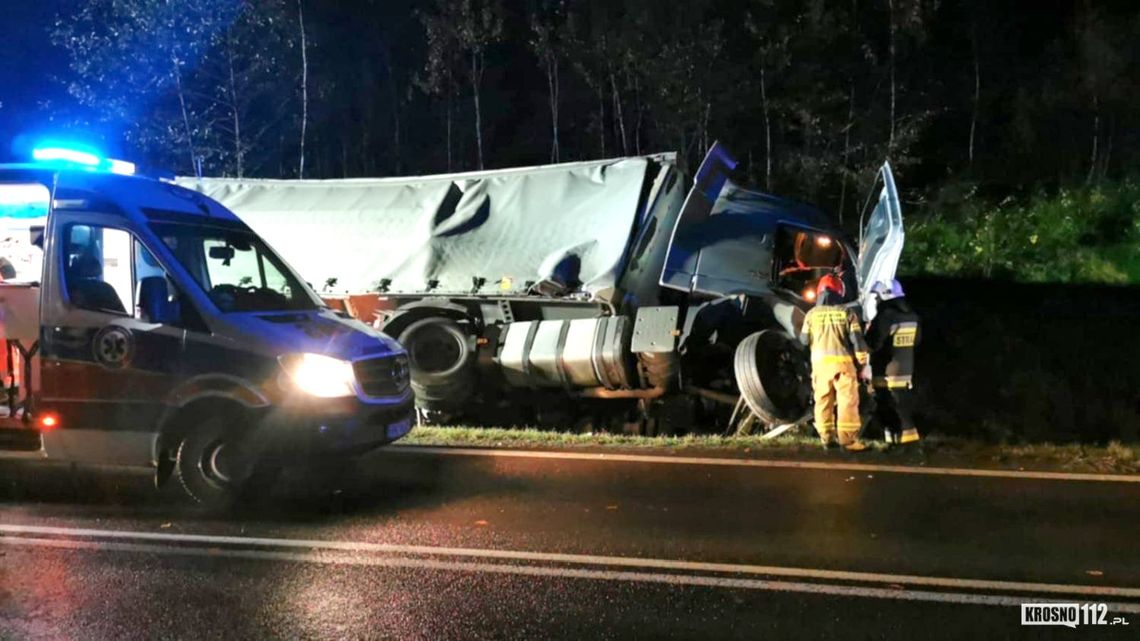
(558, 572)
(736, 462)
(580, 559)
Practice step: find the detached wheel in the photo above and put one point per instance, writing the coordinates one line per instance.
(774, 377)
(210, 465)
(442, 362)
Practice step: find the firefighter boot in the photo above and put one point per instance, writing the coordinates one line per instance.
(899, 405)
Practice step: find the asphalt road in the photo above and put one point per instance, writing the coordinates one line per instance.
(422, 545)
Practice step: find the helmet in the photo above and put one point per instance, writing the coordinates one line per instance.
(886, 290)
(831, 282)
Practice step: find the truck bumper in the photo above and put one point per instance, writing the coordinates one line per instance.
(332, 427)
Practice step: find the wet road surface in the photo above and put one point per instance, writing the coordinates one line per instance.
(422, 545)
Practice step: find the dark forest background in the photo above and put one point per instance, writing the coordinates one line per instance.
(1010, 124)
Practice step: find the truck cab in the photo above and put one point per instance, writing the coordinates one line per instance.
(729, 240)
(146, 325)
(746, 264)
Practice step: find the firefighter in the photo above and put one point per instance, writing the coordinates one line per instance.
(838, 361)
(892, 337)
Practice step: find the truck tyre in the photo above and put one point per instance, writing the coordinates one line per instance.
(209, 465)
(773, 376)
(442, 361)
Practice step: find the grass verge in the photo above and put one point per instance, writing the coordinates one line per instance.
(1114, 458)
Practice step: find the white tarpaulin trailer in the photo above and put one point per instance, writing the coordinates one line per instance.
(438, 233)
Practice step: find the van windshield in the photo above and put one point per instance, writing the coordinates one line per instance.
(236, 269)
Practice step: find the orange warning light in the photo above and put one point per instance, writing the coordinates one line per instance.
(809, 294)
(48, 422)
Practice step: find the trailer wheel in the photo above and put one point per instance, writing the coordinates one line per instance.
(210, 465)
(442, 363)
(773, 377)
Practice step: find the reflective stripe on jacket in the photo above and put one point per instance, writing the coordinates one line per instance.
(834, 334)
(892, 337)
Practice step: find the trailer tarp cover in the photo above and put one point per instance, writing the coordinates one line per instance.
(568, 222)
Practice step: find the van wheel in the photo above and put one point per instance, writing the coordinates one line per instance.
(442, 361)
(210, 465)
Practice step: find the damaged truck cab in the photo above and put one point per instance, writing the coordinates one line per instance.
(621, 280)
(151, 327)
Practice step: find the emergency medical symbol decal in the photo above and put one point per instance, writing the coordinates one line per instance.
(113, 347)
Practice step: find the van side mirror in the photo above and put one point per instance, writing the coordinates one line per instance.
(154, 301)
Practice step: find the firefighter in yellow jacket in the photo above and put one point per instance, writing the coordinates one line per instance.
(838, 361)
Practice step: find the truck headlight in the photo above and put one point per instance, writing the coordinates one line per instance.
(318, 375)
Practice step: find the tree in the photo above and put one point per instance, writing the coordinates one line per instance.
(480, 27)
(161, 44)
(689, 75)
(247, 82)
(771, 57)
(199, 75)
(600, 48)
(304, 86)
(1101, 79)
(907, 19)
(443, 58)
(548, 26)
(462, 31)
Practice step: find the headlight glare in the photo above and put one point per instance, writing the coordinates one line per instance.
(319, 375)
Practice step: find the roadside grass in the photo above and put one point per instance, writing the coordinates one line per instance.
(1114, 458)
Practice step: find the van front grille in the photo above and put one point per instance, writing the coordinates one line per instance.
(382, 377)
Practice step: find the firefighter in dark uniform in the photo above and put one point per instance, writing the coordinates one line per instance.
(834, 335)
(892, 338)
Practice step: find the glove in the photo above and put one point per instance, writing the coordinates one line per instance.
(865, 373)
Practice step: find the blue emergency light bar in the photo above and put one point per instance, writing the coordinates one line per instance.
(83, 158)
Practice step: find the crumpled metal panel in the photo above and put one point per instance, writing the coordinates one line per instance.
(570, 222)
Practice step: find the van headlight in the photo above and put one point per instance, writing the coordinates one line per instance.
(318, 375)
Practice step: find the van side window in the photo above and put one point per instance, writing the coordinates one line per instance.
(109, 270)
(159, 298)
(98, 268)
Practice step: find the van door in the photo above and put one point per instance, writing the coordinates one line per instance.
(111, 345)
(880, 243)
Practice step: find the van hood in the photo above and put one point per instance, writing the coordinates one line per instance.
(318, 332)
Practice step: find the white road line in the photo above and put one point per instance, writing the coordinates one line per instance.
(738, 462)
(579, 559)
(557, 572)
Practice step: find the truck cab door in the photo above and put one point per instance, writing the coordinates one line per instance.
(110, 345)
(880, 243)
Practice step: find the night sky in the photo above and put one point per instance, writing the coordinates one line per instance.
(32, 70)
(1052, 71)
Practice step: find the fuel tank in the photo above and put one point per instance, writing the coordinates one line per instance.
(578, 353)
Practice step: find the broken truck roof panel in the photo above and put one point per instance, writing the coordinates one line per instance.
(505, 226)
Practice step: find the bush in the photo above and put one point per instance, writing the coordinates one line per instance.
(1085, 235)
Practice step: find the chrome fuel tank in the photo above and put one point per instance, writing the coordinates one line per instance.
(578, 353)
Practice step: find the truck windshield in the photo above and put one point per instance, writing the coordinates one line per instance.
(236, 269)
